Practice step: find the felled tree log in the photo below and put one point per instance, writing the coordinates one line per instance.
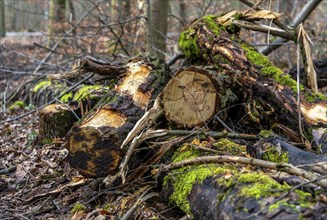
(94, 142)
(231, 191)
(269, 93)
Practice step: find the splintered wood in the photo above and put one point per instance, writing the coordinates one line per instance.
(94, 142)
(190, 98)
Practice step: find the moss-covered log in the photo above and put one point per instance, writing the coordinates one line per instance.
(233, 191)
(269, 93)
(55, 121)
(94, 142)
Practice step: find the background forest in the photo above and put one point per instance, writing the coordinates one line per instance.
(117, 30)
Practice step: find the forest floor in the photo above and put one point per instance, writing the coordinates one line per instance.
(36, 181)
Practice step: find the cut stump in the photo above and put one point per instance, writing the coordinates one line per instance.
(55, 121)
(190, 98)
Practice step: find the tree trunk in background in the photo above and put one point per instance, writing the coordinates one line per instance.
(113, 9)
(125, 8)
(157, 22)
(182, 13)
(57, 14)
(2, 19)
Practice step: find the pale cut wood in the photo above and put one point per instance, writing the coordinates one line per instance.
(190, 98)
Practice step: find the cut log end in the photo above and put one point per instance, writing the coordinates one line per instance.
(190, 98)
(91, 154)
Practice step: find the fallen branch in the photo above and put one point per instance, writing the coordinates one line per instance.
(264, 29)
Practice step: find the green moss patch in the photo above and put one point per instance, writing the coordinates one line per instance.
(185, 178)
(277, 74)
(77, 207)
(42, 85)
(303, 201)
(251, 184)
(87, 90)
(266, 133)
(259, 185)
(17, 105)
(255, 57)
(67, 97)
(268, 69)
(272, 154)
(187, 43)
(211, 22)
(228, 147)
(311, 97)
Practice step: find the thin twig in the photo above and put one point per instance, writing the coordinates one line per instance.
(143, 198)
(175, 58)
(224, 124)
(263, 28)
(67, 106)
(301, 16)
(8, 170)
(298, 70)
(213, 134)
(255, 7)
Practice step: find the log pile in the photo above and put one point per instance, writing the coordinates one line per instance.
(226, 85)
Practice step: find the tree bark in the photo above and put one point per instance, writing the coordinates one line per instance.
(94, 142)
(57, 13)
(2, 19)
(157, 24)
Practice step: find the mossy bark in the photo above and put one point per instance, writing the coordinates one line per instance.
(94, 142)
(55, 121)
(222, 191)
(269, 93)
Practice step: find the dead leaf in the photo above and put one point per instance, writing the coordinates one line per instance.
(20, 173)
(76, 179)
